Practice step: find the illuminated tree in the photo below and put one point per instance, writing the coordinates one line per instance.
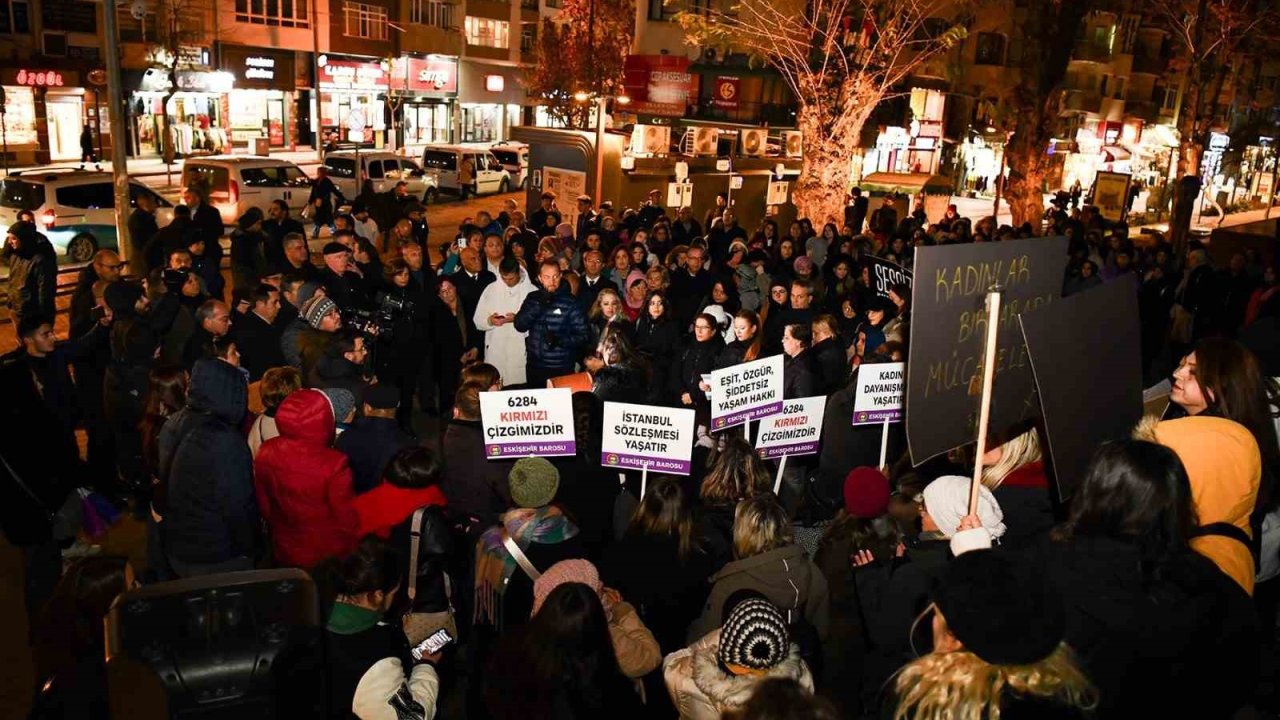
(582, 50)
(840, 59)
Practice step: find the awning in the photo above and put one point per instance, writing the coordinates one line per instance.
(906, 183)
(1115, 153)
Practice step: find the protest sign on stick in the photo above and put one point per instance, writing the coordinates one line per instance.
(523, 423)
(879, 399)
(647, 437)
(745, 392)
(1086, 354)
(794, 431)
(886, 274)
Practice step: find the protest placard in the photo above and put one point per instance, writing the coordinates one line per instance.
(879, 394)
(745, 392)
(1087, 360)
(640, 436)
(948, 333)
(520, 423)
(886, 274)
(794, 431)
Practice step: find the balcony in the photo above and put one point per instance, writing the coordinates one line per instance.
(1090, 52)
(1081, 101)
(1150, 64)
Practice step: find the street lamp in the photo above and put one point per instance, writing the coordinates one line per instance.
(583, 96)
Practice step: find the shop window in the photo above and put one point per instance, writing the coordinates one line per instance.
(87, 197)
(486, 32)
(15, 17)
(990, 49)
(274, 13)
(431, 12)
(365, 21)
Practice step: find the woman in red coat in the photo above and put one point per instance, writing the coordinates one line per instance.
(304, 485)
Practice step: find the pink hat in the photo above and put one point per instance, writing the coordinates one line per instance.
(565, 571)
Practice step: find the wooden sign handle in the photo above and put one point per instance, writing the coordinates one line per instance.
(984, 410)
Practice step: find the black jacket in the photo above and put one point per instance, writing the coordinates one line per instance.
(259, 344)
(473, 485)
(212, 512)
(142, 228)
(435, 550)
(686, 294)
(273, 245)
(831, 364)
(369, 444)
(800, 376)
(666, 590)
(346, 290)
(697, 359)
(470, 288)
(556, 328)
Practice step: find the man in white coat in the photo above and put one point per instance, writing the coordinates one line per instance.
(495, 316)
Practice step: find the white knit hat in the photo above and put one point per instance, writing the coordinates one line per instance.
(947, 502)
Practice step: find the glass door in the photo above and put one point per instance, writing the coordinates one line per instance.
(275, 122)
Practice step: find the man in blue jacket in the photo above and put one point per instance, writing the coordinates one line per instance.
(555, 325)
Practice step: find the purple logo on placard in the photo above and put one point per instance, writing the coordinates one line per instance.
(742, 416)
(771, 453)
(876, 416)
(545, 449)
(658, 465)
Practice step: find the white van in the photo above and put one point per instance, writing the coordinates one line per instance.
(443, 161)
(384, 170)
(239, 182)
(514, 156)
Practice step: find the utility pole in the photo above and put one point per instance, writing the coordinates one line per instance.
(115, 103)
(315, 67)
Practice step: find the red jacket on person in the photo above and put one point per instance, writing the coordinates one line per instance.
(304, 485)
(386, 506)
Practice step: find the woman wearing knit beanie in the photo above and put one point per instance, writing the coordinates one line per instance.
(998, 648)
(719, 672)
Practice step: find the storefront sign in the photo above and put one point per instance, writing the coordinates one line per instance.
(495, 83)
(157, 80)
(259, 68)
(747, 391)
(658, 84)
(879, 396)
(435, 74)
(638, 436)
(726, 92)
(794, 431)
(40, 78)
(351, 75)
(520, 423)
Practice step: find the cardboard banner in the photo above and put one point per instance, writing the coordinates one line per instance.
(885, 274)
(880, 392)
(747, 391)
(1111, 194)
(639, 436)
(1086, 355)
(520, 423)
(794, 431)
(948, 331)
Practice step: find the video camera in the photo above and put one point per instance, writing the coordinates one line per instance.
(379, 321)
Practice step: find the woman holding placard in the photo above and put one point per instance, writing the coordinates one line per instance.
(656, 339)
(697, 359)
(1014, 473)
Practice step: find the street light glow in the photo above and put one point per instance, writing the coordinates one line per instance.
(581, 96)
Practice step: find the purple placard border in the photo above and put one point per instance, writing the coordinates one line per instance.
(502, 451)
(875, 417)
(737, 418)
(777, 451)
(658, 465)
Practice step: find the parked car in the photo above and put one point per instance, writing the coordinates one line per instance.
(384, 170)
(75, 209)
(443, 161)
(514, 157)
(239, 182)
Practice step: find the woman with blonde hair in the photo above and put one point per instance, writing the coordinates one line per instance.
(276, 385)
(1014, 473)
(998, 648)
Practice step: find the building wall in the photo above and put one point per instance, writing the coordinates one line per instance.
(340, 42)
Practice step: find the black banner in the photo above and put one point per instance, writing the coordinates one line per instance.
(948, 331)
(885, 274)
(1088, 368)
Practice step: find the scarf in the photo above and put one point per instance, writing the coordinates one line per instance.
(494, 565)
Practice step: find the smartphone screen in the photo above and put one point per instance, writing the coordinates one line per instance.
(432, 644)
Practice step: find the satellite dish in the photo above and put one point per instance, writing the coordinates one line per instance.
(138, 9)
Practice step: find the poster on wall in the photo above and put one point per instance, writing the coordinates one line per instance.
(20, 115)
(1111, 194)
(726, 92)
(567, 185)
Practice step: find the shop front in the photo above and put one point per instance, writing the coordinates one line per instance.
(425, 92)
(353, 94)
(196, 112)
(264, 101)
(491, 101)
(44, 114)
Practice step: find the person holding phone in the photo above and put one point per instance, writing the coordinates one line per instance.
(374, 673)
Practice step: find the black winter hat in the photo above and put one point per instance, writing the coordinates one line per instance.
(333, 248)
(1000, 608)
(121, 297)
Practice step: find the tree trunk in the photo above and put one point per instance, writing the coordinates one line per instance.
(824, 180)
(1028, 159)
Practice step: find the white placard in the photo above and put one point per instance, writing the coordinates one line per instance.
(745, 392)
(881, 389)
(794, 431)
(639, 436)
(735, 182)
(777, 194)
(520, 423)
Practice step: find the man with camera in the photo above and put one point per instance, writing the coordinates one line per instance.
(555, 325)
(341, 285)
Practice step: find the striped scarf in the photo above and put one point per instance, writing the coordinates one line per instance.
(494, 565)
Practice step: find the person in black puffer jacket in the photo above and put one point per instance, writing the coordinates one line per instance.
(212, 524)
(656, 339)
(697, 359)
(829, 356)
(555, 325)
(33, 272)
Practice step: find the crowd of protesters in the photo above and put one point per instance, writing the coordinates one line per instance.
(278, 422)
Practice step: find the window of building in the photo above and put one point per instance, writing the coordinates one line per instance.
(555, 3)
(274, 13)
(365, 21)
(431, 12)
(133, 29)
(487, 32)
(1170, 98)
(990, 49)
(15, 17)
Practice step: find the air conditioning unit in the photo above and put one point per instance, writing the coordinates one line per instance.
(791, 143)
(753, 142)
(650, 140)
(705, 141)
